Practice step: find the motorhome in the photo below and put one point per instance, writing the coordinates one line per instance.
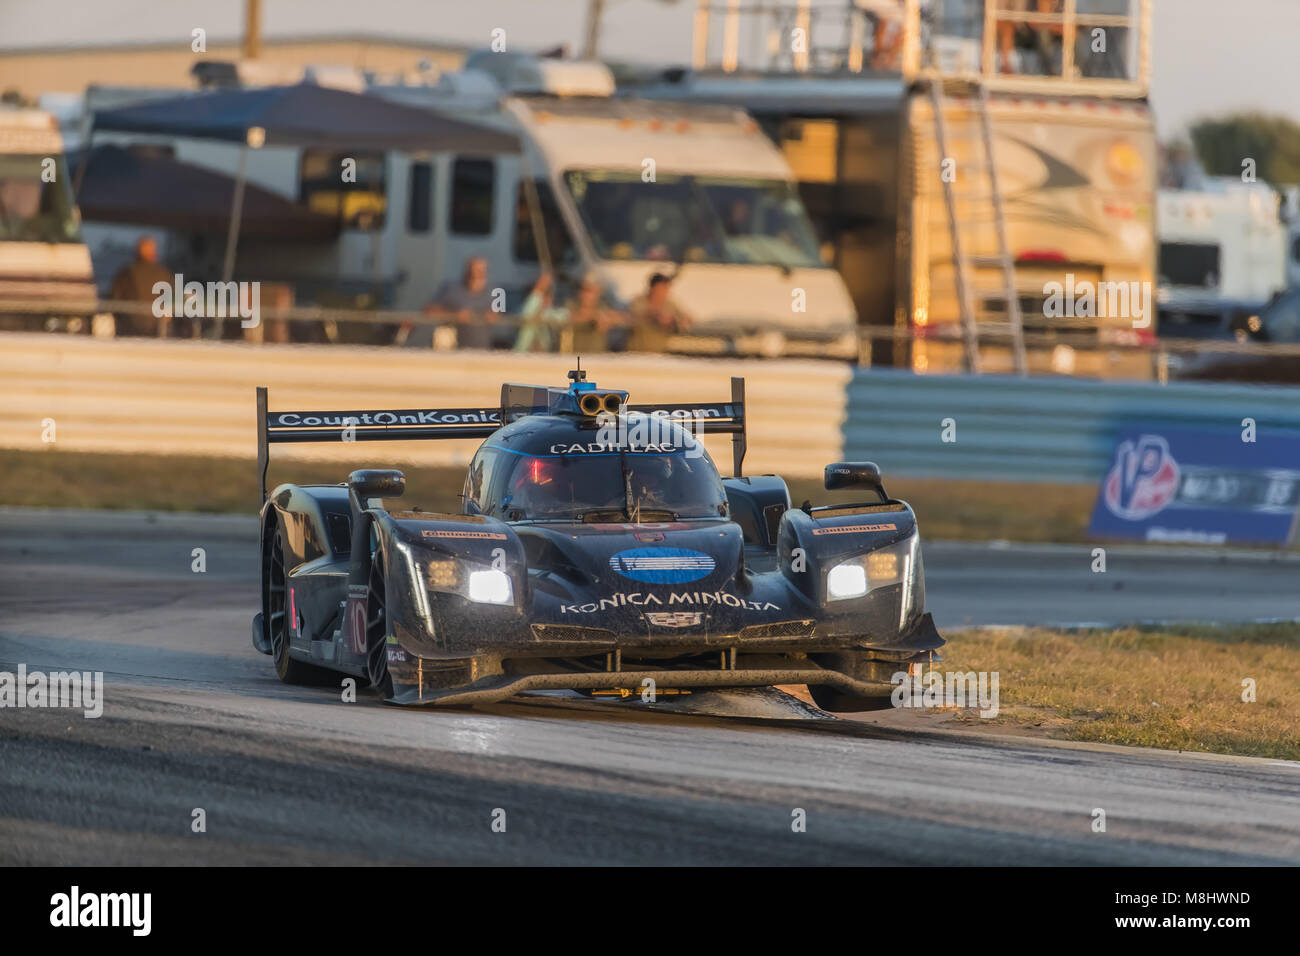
(45, 269)
(626, 188)
(958, 165)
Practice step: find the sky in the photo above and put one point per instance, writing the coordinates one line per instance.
(1209, 56)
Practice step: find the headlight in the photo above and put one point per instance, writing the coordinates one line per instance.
(847, 580)
(490, 587)
(897, 564)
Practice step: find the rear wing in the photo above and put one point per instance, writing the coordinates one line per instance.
(420, 424)
(727, 418)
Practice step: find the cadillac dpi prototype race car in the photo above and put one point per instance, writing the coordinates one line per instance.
(598, 550)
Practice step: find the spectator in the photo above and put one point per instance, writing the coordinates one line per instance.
(135, 283)
(655, 317)
(542, 319)
(738, 222)
(589, 318)
(1032, 39)
(887, 33)
(468, 302)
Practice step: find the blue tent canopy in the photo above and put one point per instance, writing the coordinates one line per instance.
(306, 115)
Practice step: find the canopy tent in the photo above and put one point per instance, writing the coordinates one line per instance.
(301, 115)
(306, 115)
(144, 186)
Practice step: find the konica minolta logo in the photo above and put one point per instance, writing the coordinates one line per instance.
(77, 909)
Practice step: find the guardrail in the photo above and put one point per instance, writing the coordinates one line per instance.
(196, 397)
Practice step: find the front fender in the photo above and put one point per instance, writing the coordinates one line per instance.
(810, 544)
(428, 563)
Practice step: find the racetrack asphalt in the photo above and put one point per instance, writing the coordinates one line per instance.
(194, 718)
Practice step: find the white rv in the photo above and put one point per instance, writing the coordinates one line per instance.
(45, 273)
(1220, 246)
(626, 188)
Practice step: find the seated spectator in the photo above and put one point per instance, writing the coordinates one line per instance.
(135, 284)
(1021, 43)
(654, 317)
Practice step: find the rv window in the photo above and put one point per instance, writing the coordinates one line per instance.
(558, 244)
(351, 186)
(419, 207)
(684, 219)
(473, 182)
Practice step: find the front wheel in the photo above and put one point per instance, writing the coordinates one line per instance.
(377, 631)
(857, 666)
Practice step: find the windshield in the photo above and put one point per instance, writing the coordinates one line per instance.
(612, 486)
(694, 219)
(32, 209)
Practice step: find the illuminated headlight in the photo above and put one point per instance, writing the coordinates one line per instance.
(490, 587)
(896, 564)
(847, 580)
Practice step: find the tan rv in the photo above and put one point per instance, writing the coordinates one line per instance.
(888, 112)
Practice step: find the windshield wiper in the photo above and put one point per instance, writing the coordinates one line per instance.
(627, 486)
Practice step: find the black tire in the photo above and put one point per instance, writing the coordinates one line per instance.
(377, 631)
(858, 666)
(275, 608)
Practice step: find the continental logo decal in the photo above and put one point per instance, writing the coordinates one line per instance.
(480, 535)
(856, 528)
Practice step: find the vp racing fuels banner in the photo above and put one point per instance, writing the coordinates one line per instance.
(1200, 486)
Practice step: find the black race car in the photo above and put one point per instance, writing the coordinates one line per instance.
(598, 550)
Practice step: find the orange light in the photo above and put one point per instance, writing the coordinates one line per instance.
(1123, 163)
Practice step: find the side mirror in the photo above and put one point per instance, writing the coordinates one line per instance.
(377, 483)
(855, 474)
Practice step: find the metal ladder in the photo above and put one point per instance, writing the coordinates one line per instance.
(981, 182)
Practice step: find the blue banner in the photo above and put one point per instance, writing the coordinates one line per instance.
(1200, 486)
